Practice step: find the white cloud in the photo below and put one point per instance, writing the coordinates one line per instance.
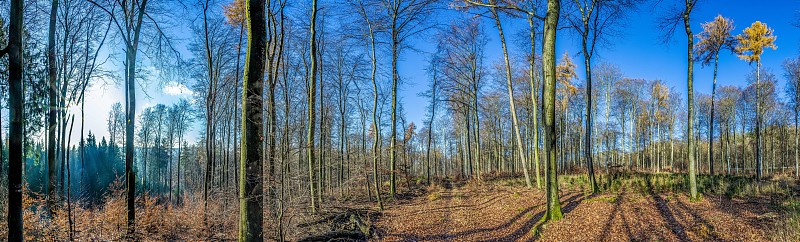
(177, 89)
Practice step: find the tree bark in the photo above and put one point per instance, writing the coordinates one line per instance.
(52, 194)
(553, 210)
(16, 114)
(251, 201)
(210, 109)
(534, 102)
(430, 129)
(132, 47)
(758, 122)
(690, 101)
(711, 123)
(395, 77)
(312, 94)
(520, 145)
(587, 57)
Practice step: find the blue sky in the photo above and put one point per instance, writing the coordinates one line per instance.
(638, 50)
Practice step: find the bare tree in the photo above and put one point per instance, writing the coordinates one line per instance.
(791, 68)
(461, 53)
(494, 8)
(373, 26)
(433, 71)
(608, 75)
(676, 15)
(406, 18)
(312, 95)
(131, 19)
(594, 21)
(52, 192)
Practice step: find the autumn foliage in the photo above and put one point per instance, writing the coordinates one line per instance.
(156, 219)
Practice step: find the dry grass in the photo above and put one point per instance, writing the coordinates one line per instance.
(155, 221)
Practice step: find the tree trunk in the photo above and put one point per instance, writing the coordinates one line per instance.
(534, 102)
(796, 144)
(52, 195)
(553, 211)
(588, 145)
(210, 110)
(520, 145)
(430, 130)
(70, 222)
(130, 94)
(16, 112)
(312, 94)
(251, 201)
(758, 122)
(711, 123)
(690, 101)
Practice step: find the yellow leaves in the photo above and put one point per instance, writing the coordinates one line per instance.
(410, 132)
(753, 41)
(660, 94)
(716, 35)
(565, 72)
(235, 12)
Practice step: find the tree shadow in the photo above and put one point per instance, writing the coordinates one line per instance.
(666, 213)
(698, 218)
(610, 220)
(480, 205)
(571, 203)
(748, 205)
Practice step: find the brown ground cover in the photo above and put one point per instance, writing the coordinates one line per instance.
(491, 212)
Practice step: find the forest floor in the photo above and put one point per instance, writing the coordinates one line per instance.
(630, 207)
(633, 210)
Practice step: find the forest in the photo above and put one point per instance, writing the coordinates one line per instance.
(399, 120)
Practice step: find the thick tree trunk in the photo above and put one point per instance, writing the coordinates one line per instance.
(553, 210)
(312, 94)
(16, 112)
(52, 194)
(251, 201)
(690, 99)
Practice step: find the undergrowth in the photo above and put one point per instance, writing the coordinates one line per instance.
(155, 220)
